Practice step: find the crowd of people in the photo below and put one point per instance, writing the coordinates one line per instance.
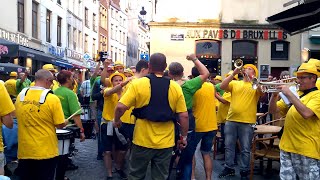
(158, 116)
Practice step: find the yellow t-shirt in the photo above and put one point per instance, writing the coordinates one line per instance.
(318, 83)
(11, 87)
(75, 87)
(127, 117)
(302, 136)
(244, 102)
(6, 107)
(110, 103)
(37, 137)
(155, 135)
(224, 108)
(204, 108)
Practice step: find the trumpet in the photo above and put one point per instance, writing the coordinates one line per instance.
(269, 87)
(238, 63)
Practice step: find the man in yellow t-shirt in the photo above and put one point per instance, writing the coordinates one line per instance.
(6, 108)
(240, 119)
(153, 136)
(38, 114)
(55, 85)
(204, 111)
(300, 141)
(10, 84)
(110, 136)
(316, 62)
(127, 119)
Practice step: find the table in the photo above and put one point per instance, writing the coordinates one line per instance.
(267, 129)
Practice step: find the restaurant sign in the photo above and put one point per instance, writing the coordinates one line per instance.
(235, 34)
(73, 54)
(14, 37)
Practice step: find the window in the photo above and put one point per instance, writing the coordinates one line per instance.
(93, 47)
(21, 16)
(120, 36)
(244, 48)
(34, 19)
(86, 18)
(112, 52)
(85, 43)
(280, 50)
(69, 35)
(124, 55)
(124, 38)
(94, 22)
(112, 33)
(211, 48)
(112, 13)
(116, 54)
(80, 40)
(59, 2)
(59, 23)
(48, 26)
(75, 38)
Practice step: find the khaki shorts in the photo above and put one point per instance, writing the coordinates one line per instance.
(2, 160)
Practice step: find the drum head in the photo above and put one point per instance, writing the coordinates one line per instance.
(62, 131)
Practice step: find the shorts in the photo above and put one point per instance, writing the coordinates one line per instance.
(206, 140)
(127, 130)
(107, 141)
(2, 160)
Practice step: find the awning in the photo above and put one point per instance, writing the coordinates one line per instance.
(9, 67)
(63, 63)
(77, 63)
(299, 18)
(15, 50)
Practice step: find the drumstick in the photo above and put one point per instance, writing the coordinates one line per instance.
(73, 115)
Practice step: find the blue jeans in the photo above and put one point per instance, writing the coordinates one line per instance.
(99, 116)
(233, 131)
(185, 161)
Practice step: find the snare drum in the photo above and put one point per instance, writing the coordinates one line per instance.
(64, 137)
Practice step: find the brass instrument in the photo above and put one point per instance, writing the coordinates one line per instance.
(269, 87)
(238, 63)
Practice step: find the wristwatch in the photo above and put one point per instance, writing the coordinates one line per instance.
(183, 137)
(193, 60)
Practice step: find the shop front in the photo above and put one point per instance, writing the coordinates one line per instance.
(219, 45)
(60, 54)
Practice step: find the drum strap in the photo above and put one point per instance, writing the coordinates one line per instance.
(43, 95)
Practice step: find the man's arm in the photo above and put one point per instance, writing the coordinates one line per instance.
(78, 122)
(117, 88)
(184, 123)
(95, 73)
(7, 121)
(104, 73)
(225, 83)
(221, 99)
(302, 109)
(119, 111)
(273, 108)
(204, 73)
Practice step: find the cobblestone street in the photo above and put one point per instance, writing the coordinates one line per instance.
(92, 169)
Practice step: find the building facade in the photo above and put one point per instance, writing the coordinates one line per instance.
(222, 32)
(103, 25)
(118, 24)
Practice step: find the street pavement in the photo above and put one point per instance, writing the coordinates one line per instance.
(92, 169)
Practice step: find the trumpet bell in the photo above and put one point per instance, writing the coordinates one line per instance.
(238, 63)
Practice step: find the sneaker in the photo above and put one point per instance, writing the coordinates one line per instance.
(227, 172)
(99, 157)
(122, 174)
(244, 175)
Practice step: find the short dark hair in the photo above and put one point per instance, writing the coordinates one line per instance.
(195, 72)
(158, 62)
(63, 76)
(141, 64)
(176, 69)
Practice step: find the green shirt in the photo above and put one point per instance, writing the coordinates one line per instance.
(92, 82)
(189, 88)
(23, 85)
(69, 101)
(218, 89)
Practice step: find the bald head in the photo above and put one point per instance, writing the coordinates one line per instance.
(43, 74)
(158, 62)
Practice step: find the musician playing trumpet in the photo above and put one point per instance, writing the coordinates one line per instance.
(300, 141)
(241, 118)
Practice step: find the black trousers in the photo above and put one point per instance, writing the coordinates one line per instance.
(63, 162)
(31, 169)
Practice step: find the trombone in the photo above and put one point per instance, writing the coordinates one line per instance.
(269, 87)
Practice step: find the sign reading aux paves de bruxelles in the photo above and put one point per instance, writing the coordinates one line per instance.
(230, 34)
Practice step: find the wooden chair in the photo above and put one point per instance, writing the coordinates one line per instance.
(216, 141)
(262, 118)
(263, 148)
